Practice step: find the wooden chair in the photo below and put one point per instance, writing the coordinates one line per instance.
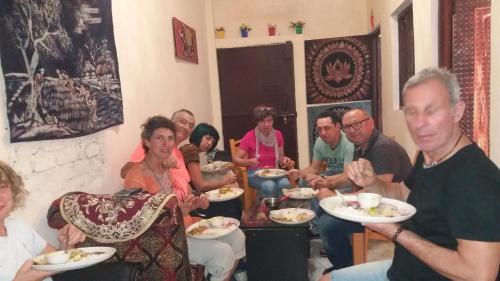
(360, 244)
(250, 194)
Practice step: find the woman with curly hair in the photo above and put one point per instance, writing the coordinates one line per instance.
(19, 242)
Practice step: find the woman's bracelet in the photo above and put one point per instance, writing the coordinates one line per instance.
(397, 233)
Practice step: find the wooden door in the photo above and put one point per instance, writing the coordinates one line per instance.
(250, 76)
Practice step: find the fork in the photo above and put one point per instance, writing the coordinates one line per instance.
(339, 194)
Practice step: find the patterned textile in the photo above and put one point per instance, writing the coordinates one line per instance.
(60, 68)
(146, 228)
(338, 69)
(109, 219)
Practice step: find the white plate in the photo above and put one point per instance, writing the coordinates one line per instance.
(271, 173)
(89, 260)
(291, 213)
(336, 207)
(300, 193)
(214, 196)
(216, 166)
(230, 225)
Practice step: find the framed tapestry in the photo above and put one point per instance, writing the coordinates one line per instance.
(185, 41)
(339, 69)
(60, 68)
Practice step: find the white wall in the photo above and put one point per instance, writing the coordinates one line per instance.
(323, 18)
(153, 82)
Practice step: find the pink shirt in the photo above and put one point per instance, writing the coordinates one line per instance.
(267, 157)
(180, 174)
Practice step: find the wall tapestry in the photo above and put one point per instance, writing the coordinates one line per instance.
(339, 108)
(185, 41)
(338, 69)
(60, 67)
(471, 63)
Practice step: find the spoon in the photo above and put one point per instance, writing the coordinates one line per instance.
(339, 194)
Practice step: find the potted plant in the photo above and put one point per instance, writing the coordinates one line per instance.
(298, 26)
(271, 28)
(220, 32)
(244, 29)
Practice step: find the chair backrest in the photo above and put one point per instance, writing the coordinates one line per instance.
(250, 194)
(233, 146)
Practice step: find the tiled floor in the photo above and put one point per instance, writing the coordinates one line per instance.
(377, 250)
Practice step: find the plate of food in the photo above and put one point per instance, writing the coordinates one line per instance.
(388, 211)
(291, 215)
(300, 193)
(216, 167)
(72, 259)
(212, 228)
(224, 193)
(271, 173)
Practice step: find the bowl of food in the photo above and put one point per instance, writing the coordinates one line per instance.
(58, 257)
(272, 203)
(369, 200)
(215, 169)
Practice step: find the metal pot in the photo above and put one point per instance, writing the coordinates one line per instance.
(272, 203)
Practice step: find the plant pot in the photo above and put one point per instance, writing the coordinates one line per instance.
(244, 33)
(272, 31)
(298, 29)
(220, 34)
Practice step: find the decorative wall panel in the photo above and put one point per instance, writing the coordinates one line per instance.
(60, 68)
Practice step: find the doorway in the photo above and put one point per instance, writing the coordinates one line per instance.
(250, 76)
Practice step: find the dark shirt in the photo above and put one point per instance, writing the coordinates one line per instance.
(457, 199)
(386, 156)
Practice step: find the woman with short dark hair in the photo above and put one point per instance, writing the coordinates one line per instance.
(204, 138)
(262, 147)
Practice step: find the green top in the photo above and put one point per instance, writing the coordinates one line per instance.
(334, 157)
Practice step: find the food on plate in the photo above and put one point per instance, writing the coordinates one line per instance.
(225, 190)
(217, 165)
(59, 257)
(387, 210)
(383, 210)
(291, 216)
(214, 223)
(41, 260)
(265, 173)
(198, 230)
(271, 173)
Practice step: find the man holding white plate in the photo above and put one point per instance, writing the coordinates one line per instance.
(455, 233)
(391, 164)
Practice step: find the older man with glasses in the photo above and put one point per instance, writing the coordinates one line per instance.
(390, 161)
(391, 164)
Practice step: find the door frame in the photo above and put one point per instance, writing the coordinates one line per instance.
(299, 81)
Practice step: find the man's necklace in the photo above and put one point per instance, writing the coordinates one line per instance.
(432, 164)
(167, 189)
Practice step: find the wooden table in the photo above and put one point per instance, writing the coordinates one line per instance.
(276, 252)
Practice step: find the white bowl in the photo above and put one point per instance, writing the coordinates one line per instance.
(217, 221)
(58, 257)
(369, 200)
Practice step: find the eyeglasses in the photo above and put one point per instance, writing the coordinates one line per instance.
(356, 125)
